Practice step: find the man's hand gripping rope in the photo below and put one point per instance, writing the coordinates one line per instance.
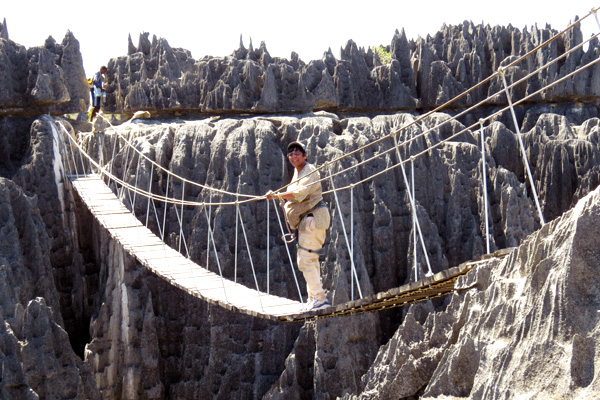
(289, 237)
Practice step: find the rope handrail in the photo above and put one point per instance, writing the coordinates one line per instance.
(160, 167)
(153, 196)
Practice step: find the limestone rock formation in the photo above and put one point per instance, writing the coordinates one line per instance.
(4, 30)
(45, 79)
(532, 316)
(80, 318)
(35, 351)
(422, 73)
(452, 225)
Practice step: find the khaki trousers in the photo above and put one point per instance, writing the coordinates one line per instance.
(311, 238)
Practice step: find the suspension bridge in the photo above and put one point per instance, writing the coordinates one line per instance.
(92, 177)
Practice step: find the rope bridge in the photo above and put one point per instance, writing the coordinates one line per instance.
(93, 175)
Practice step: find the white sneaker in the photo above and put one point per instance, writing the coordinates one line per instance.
(317, 305)
(306, 305)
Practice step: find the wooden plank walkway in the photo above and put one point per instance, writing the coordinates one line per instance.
(180, 271)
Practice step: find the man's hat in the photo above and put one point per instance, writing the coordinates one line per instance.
(296, 144)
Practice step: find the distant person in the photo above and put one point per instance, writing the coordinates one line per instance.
(306, 211)
(96, 91)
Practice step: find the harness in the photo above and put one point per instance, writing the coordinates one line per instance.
(292, 237)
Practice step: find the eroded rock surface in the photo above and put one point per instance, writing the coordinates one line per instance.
(421, 74)
(45, 79)
(532, 316)
(80, 318)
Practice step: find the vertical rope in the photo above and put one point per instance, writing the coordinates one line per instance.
(165, 210)
(160, 232)
(82, 163)
(73, 158)
(149, 191)
(251, 262)
(235, 259)
(212, 239)
(268, 247)
(523, 153)
(125, 166)
(412, 203)
(112, 160)
(288, 251)
(337, 202)
(101, 159)
(485, 197)
(414, 219)
(180, 222)
(208, 228)
(181, 238)
(352, 236)
(137, 171)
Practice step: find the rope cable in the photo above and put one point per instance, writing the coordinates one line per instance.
(337, 202)
(288, 251)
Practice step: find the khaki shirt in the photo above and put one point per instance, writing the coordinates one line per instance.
(307, 193)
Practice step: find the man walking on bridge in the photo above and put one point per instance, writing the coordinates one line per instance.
(306, 211)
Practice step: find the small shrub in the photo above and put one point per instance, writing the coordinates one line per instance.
(384, 56)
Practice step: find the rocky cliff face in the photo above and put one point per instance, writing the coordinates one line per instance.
(422, 74)
(45, 79)
(532, 316)
(82, 319)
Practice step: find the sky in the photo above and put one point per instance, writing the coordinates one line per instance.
(309, 27)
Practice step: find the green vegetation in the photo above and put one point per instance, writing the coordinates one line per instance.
(384, 56)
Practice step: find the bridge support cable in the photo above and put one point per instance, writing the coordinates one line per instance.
(208, 232)
(181, 236)
(180, 221)
(250, 258)
(135, 184)
(166, 204)
(125, 166)
(149, 191)
(268, 247)
(413, 205)
(501, 71)
(235, 250)
(287, 249)
(160, 232)
(112, 159)
(414, 219)
(337, 202)
(101, 158)
(211, 239)
(352, 237)
(82, 164)
(485, 195)
(71, 150)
